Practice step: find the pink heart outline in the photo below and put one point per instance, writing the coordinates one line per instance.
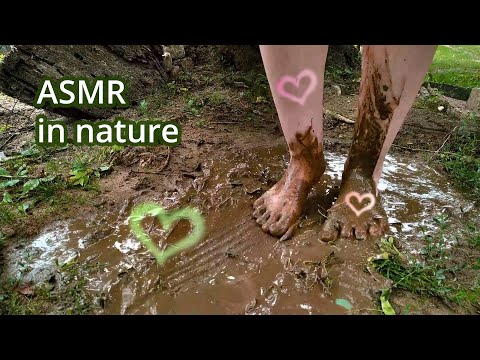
(296, 81)
(360, 198)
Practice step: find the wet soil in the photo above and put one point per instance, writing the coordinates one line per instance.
(236, 268)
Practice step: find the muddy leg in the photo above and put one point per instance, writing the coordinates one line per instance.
(295, 75)
(391, 79)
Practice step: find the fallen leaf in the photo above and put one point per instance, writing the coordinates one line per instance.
(344, 303)
(250, 306)
(4, 173)
(26, 290)
(386, 306)
(30, 185)
(9, 183)
(7, 198)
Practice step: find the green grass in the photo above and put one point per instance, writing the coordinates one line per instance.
(460, 156)
(167, 92)
(68, 295)
(432, 274)
(3, 128)
(456, 65)
(31, 178)
(216, 98)
(431, 102)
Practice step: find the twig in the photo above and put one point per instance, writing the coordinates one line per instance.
(8, 140)
(156, 172)
(26, 128)
(325, 216)
(15, 104)
(146, 172)
(224, 201)
(223, 122)
(166, 161)
(338, 116)
(444, 142)
(413, 149)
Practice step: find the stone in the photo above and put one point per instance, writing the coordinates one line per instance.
(176, 51)
(8, 231)
(175, 71)
(186, 64)
(473, 102)
(424, 92)
(5, 49)
(167, 61)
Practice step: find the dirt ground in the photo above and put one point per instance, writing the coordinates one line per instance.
(232, 151)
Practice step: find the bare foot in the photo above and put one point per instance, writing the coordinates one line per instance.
(279, 209)
(343, 222)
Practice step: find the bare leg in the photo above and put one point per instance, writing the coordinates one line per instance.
(295, 74)
(391, 79)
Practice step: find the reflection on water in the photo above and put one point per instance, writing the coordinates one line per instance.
(237, 268)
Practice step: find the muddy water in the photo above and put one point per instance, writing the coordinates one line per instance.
(236, 268)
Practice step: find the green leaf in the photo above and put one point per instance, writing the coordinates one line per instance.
(9, 183)
(386, 306)
(22, 171)
(117, 147)
(23, 208)
(27, 152)
(440, 274)
(4, 173)
(30, 185)
(82, 181)
(344, 303)
(104, 168)
(49, 178)
(6, 197)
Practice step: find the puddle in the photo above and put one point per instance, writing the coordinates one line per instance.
(236, 268)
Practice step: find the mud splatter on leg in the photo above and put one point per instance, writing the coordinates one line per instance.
(391, 78)
(295, 74)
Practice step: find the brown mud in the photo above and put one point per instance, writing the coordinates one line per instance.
(279, 209)
(237, 268)
(222, 168)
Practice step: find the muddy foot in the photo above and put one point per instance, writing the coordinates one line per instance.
(342, 221)
(279, 209)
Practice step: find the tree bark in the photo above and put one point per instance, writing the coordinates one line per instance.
(141, 66)
(244, 57)
(144, 67)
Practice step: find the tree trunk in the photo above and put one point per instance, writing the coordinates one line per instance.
(142, 67)
(245, 57)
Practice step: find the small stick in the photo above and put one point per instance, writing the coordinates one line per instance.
(8, 140)
(155, 172)
(146, 172)
(338, 116)
(325, 216)
(15, 104)
(166, 161)
(413, 149)
(443, 144)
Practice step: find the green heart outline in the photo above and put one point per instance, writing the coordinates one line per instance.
(167, 219)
